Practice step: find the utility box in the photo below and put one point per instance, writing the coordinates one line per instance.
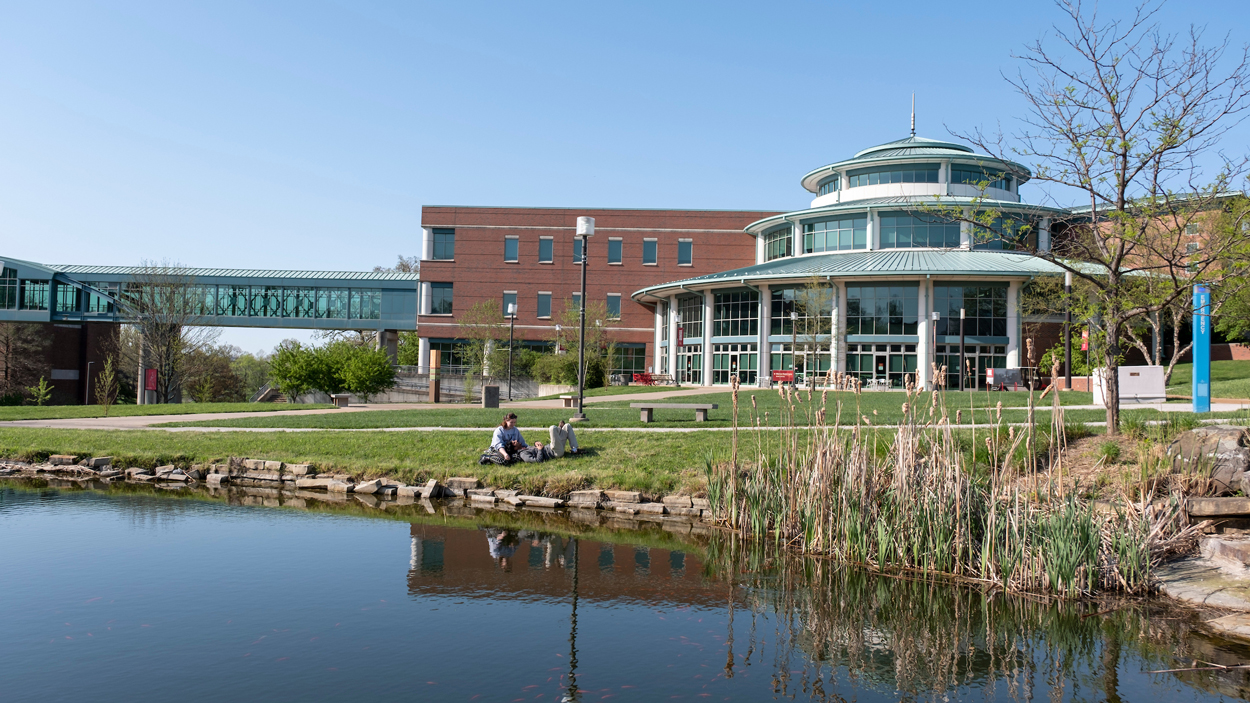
(490, 396)
(1138, 384)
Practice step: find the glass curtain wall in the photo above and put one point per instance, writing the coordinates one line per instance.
(690, 308)
(736, 314)
(881, 365)
(880, 310)
(741, 360)
(690, 364)
(8, 289)
(984, 305)
(835, 235)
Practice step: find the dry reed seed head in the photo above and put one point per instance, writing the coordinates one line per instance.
(865, 419)
(906, 407)
(824, 397)
(932, 410)
(959, 417)
(1028, 345)
(753, 405)
(874, 412)
(999, 410)
(1011, 433)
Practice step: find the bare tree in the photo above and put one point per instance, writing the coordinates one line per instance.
(167, 309)
(1127, 116)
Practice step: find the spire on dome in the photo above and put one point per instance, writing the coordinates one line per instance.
(913, 114)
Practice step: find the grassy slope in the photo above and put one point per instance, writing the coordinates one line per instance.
(637, 461)
(1229, 379)
(56, 412)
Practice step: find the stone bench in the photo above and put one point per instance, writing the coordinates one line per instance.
(569, 400)
(700, 409)
(341, 400)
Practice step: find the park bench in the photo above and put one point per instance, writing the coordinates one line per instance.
(569, 400)
(700, 409)
(341, 400)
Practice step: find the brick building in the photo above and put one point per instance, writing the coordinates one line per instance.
(527, 256)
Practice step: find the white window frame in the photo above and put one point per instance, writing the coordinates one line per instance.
(679, 243)
(657, 251)
(610, 261)
(553, 250)
(516, 238)
(549, 297)
(516, 300)
(618, 306)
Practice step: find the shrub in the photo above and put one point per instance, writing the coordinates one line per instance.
(1109, 451)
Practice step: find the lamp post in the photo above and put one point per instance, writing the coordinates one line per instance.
(585, 230)
(1067, 330)
(678, 342)
(87, 391)
(962, 370)
(511, 329)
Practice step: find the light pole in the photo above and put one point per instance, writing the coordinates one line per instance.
(680, 338)
(1067, 330)
(511, 329)
(794, 348)
(585, 230)
(87, 391)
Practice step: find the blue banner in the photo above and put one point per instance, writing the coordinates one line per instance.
(1202, 349)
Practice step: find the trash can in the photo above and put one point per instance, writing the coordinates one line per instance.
(490, 396)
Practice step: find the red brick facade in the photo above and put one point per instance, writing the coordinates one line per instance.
(479, 271)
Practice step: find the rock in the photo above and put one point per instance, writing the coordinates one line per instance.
(677, 501)
(686, 512)
(387, 491)
(479, 498)
(627, 508)
(480, 492)
(453, 493)
(130, 473)
(262, 476)
(62, 460)
(586, 496)
(652, 508)
(273, 466)
(431, 489)
(624, 496)
(505, 494)
(300, 469)
(462, 484)
(408, 492)
(218, 479)
(368, 486)
(253, 464)
(513, 500)
(339, 487)
(196, 474)
(96, 462)
(314, 482)
(1218, 451)
(541, 502)
(701, 503)
(1217, 507)
(110, 473)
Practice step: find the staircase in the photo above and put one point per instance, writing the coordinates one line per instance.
(268, 394)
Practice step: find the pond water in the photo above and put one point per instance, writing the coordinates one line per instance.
(135, 595)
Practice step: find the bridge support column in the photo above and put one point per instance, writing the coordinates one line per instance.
(389, 340)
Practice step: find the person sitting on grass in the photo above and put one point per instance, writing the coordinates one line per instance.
(507, 444)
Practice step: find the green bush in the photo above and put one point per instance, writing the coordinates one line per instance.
(333, 368)
(562, 369)
(1109, 451)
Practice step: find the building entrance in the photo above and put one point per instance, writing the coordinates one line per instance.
(977, 358)
(690, 364)
(810, 362)
(734, 359)
(881, 365)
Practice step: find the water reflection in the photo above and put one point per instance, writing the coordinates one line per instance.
(757, 622)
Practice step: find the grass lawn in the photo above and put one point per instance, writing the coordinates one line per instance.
(653, 462)
(606, 390)
(57, 412)
(1229, 379)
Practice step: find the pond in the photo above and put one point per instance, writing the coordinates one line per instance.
(135, 594)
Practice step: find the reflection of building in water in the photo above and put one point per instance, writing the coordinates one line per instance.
(449, 560)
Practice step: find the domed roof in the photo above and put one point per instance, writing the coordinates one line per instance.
(913, 146)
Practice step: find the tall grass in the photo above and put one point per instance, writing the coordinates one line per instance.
(919, 496)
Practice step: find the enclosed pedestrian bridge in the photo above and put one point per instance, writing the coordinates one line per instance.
(329, 300)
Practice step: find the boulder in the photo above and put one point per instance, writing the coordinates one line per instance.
(387, 490)
(300, 469)
(97, 462)
(701, 503)
(624, 496)
(651, 508)
(262, 476)
(540, 501)
(369, 486)
(408, 492)
(196, 474)
(314, 482)
(253, 464)
(339, 487)
(1218, 451)
(218, 479)
(62, 460)
(586, 497)
(461, 483)
(505, 494)
(685, 512)
(431, 489)
(273, 466)
(478, 498)
(677, 501)
(131, 473)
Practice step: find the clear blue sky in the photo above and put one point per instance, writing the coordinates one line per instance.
(309, 134)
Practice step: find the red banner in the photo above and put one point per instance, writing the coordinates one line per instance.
(1085, 339)
(149, 379)
(681, 336)
(783, 376)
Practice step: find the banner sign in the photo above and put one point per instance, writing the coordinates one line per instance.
(783, 376)
(1202, 349)
(681, 336)
(989, 377)
(1085, 339)
(149, 379)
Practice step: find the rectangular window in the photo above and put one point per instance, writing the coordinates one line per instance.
(881, 309)
(736, 314)
(509, 301)
(444, 243)
(511, 249)
(8, 289)
(974, 176)
(649, 255)
(902, 173)
(35, 295)
(779, 244)
(95, 303)
(1191, 248)
(367, 304)
(614, 306)
(614, 250)
(544, 305)
(631, 358)
(835, 235)
(440, 298)
(812, 306)
(901, 230)
(67, 298)
(577, 250)
(690, 316)
(546, 250)
(662, 311)
(1191, 229)
(984, 306)
(685, 252)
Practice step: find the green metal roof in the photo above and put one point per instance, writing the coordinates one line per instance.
(79, 270)
(882, 262)
(913, 147)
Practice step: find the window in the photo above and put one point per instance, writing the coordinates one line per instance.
(900, 230)
(630, 358)
(1005, 233)
(614, 250)
(1191, 229)
(366, 304)
(779, 244)
(577, 250)
(8, 289)
(332, 302)
(67, 298)
(444, 243)
(575, 303)
(97, 303)
(685, 252)
(1191, 248)
(661, 310)
(985, 310)
(729, 360)
(971, 175)
(440, 298)
(835, 235)
(452, 352)
(546, 250)
(901, 173)
(736, 314)
(881, 309)
(511, 249)
(830, 186)
(544, 305)
(34, 295)
(690, 314)
(509, 299)
(649, 254)
(614, 306)
(813, 308)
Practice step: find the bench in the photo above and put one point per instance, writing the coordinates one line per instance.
(341, 400)
(700, 410)
(569, 400)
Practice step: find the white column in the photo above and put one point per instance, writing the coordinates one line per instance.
(925, 329)
(759, 249)
(423, 352)
(874, 231)
(427, 243)
(840, 315)
(708, 300)
(659, 320)
(424, 302)
(1015, 355)
(1043, 235)
(965, 233)
(672, 336)
(766, 322)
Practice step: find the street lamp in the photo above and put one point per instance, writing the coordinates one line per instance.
(680, 338)
(585, 230)
(87, 392)
(511, 329)
(962, 370)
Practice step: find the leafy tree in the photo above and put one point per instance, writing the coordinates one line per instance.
(600, 346)
(106, 385)
(367, 372)
(41, 393)
(291, 369)
(252, 370)
(210, 375)
(409, 351)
